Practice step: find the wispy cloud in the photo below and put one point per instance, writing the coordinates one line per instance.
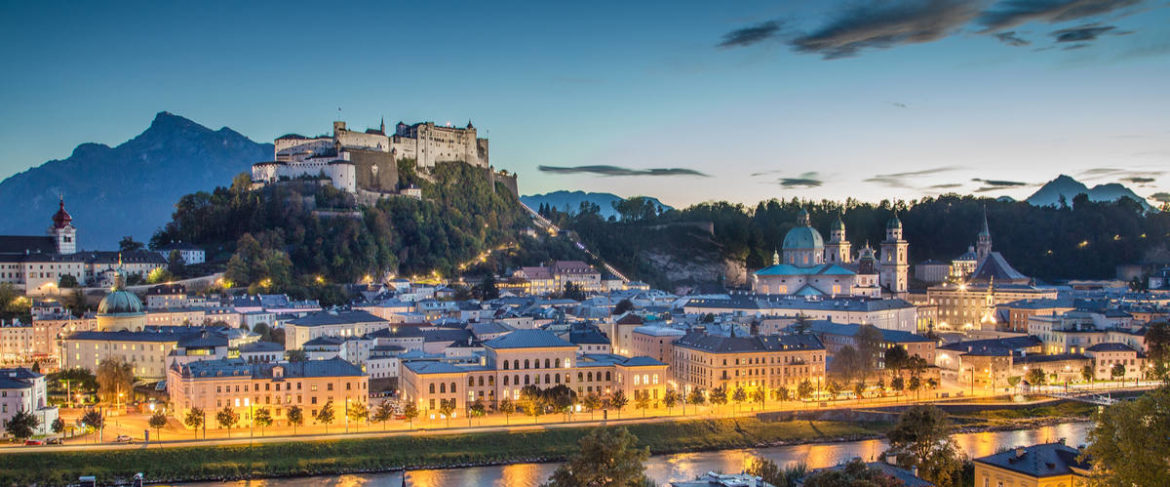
(996, 184)
(903, 179)
(1130, 175)
(806, 180)
(899, 104)
(1010, 13)
(1161, 197)
(750, 35)
(1138, 179)
(1082, 33)
(945, 186)
(1010, 38)
(881, 26)
(606, 170)
(766, 173)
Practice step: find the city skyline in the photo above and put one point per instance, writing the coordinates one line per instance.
(689, 104)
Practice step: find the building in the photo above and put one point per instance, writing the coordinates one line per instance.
(712, 479)
(932, 271)
(49, 329)
(191, 254)
(1043, 465)
(146, 351)
(341, 324)
(16, 342)
(810, 268)
(967, 306)
(528, 358)
(544, 280)
(37, 264)
(889, 314)
(212, 385)
(24, 390)
(655, 341)
(427, 144)
(333, 158)
(836, 336)
(706, 361)
(1106, 356)
(1020, 311)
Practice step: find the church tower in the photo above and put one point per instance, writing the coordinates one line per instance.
(838, 250)
(983, 242)
(63, 232)
(895, 260)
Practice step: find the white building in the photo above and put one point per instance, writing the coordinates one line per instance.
(24, 390)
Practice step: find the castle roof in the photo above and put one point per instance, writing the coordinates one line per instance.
(816, 270)
(994, 266)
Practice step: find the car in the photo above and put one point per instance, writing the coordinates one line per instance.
(31, 442)
(124, 439)
(53, 441)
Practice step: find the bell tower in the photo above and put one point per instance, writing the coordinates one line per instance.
(895, 259)
(62, 230)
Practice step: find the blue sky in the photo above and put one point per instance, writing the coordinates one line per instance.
(895, 99)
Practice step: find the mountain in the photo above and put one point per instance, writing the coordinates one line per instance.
(1069, 188)
(570, 201)
(130, 189)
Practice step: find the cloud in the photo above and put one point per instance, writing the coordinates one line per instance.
(887, 25)
(1131, 175)
(945, 186)
(1010, 38)
(899, 104)
(1083, 33)
(901, 179)
(1139, 179)
(605, 170)
(750, 35)
(765, 173)
(1010, 13)
(996, 184)
(1161, 197)
(806, 180)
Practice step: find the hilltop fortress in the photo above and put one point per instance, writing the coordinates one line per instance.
(366, 163)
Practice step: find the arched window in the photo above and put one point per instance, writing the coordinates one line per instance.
(547, 364)
(558, 378)
(581, 377)
(505, 365)
(516, 364)
(607, 375)
(492, 380)
(557, 363)
(547, 379)
(432, 388)
(452, 387)
(527, 379)
(442, 388)
(505, 380)
(481, 381)
(590, 376)
(525, 364)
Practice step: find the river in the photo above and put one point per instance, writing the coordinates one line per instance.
(679, 466)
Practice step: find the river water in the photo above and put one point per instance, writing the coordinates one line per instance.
(680, 466)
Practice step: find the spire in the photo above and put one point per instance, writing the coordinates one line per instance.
(775, 257)
(382, 125)
(986, 230)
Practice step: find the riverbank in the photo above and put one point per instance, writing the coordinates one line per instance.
(437, 450)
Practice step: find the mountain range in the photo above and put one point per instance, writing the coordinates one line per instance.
(1067, 187)
(570, 201)
(130, 189)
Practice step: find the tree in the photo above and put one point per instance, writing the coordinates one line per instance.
(58, 425)
(623, 306)
(115, 377)
(383, 413)
(804, 389)
(1036, 377)
(92, 419)
(359, 413)
(1117, 372)
(914, 385)
(1014, 381)
(896, 358)
(618, 400)
(227, 418)
(801, 325)
(1087, 373)
(607, 457)
(1128, 443)
(158, 421)
(1158, 348)
(718, 396)
(298, 355)
(573, 291)
(771, 473)
(847, 364)
(508, 408)
(642, 401)
(859, 389)
(476, 409)
(175, 262)
(488, 290)
(67, 281)
(696, 397)
(128, 244)
(758, 396)
(856, 472)
(263, 418)
(296, 417)
(833, 388)
(739, 396)
(446, 407)
(22, 424)
(898, 384)
(869, 348)
(326, 415)
(780, 393)
(194, 419)
(921, 438)
(670, 399)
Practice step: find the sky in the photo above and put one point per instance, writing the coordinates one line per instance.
(685, 101)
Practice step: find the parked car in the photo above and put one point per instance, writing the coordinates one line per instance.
(56, 440)
(124, 439)
(31, 442)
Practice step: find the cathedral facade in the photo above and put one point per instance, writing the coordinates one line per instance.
(807, 266)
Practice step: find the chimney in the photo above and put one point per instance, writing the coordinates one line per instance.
(1061, 441)
(892, 459)
(1020, 451)
(914, 471)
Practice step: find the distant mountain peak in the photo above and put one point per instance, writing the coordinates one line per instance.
(570, 201)
(1068, 188)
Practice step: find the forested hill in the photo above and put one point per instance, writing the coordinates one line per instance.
(1087, 240)
(297, 235)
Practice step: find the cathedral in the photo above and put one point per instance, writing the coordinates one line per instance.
(810, 267)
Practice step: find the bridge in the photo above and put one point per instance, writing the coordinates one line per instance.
(1089, 397)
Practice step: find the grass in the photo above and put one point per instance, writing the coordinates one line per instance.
(1068, 409)
(338, 456)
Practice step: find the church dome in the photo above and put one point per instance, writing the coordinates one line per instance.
(120, 302)
(62, 219)
(894, 223)
(838, 225)
(803, 238)
(867, 254)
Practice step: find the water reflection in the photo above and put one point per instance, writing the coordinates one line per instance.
(684, 466)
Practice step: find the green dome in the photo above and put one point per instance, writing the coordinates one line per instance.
(120, 302)
(894, 223)
(867, 254)
(838, 225)
(803, 238)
